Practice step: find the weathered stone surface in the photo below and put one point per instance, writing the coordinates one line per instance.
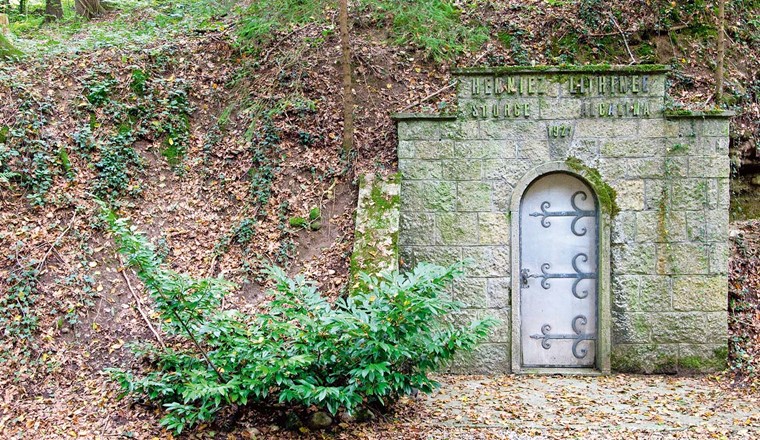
(678, 327)
(441, 255)
(488, 358)
(660, 226)
(633, 148)
(702, 358)
(625, 293)
(688, 194)
(655, 293)
(607, 128)
(499, 293)
(414, 169)
(493, 228)
(488, 261)
(630, 328)
(682, 258)
(460, 169)
(716, 327)
(473, 196)
(633, 258)
(411, 130)
(700, 293)
(423, 195)
(624, 227)
(718, 258)
(508, 170)
(645, 358)
(706, 166)
(457, 228)
(443, 149)
(418, 227)
(471, 292)
(320, 420)
(630, 195)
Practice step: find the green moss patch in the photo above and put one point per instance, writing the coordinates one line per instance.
(605, 193)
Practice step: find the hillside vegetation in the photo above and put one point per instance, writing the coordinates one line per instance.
(214, 126)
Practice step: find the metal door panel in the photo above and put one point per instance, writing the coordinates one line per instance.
(558, 271)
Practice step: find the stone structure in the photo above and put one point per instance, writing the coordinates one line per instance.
(659, 208)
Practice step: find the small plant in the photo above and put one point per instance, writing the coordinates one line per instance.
(368, 349)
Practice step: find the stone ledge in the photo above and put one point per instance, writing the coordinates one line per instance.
(592, 68)
(423, 116)
(709, 114)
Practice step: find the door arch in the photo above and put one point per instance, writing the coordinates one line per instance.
(560, 274)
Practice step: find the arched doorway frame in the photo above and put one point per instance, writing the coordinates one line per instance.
(603, 342)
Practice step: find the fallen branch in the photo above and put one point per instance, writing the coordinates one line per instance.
(625, 40)
(138, 303)
(432, 95)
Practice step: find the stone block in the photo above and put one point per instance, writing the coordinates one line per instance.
(708, 225)
(456, 228)
(488, 358)
(485, 149)
(682, 259)
(716, 327)
(624, 227)
(718, 194)
(406, 149)
(414, 130)
(512, 129)
(416, 169)
(417, 228)
(459, 130)
(700, 293)
(655, 293)
(658, 128)
(560, 108)
(718, 258)
(631, 259)
(625, 294)
(499, 293)
(632, 148)
(442, 149)
(494, 228)
(440, 255)
(688, 194)
(471, 292)
(487, 261)
(502, 332)
(473, 196)
(421, 195)
(630, 195)
(607, 128)
(645, 358)
(702, 358)
(715, 127)
(678, 327)
(655, 191)
(657, 167)
(536, 151)
(707, 166)
(630, 328)
(587, 150)
(510, 170)
(459, 169)
(613, 169)
(661, 226)
(502, 196)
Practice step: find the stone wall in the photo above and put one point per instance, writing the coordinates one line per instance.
(664, 179)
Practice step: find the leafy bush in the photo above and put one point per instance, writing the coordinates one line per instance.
(370, 348)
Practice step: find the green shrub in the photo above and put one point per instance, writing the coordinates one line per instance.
(368, 349)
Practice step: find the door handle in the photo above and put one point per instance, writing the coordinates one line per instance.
(524, 275)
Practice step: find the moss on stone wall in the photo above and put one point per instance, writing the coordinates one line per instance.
(605, 193)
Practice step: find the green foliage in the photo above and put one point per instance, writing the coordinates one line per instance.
(117, 159)
(7, 49)
(18, 318)
(435, 26)
(264, 18)
(368, 349)
(298, 222)
(264, 163)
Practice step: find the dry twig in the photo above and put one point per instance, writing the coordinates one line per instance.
(138, 303)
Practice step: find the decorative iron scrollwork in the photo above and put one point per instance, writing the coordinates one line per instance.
(545, 276)
(576, 212)
(578, 337)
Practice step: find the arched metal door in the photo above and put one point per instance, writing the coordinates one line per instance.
(558, 273)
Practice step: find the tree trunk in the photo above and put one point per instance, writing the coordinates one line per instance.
(5, 24)
(348, 94)
(22, 6)
(721, 51)
(7, 50)
(53, 10)
(89, 8)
